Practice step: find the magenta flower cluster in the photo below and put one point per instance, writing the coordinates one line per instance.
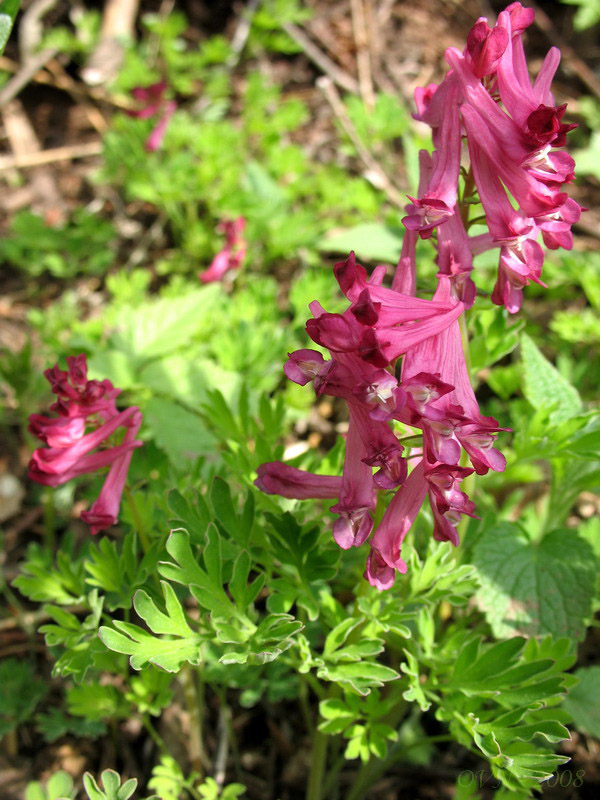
(154, 104)
(78, 438)
(513, 129)
(397, 357)
(433, 395)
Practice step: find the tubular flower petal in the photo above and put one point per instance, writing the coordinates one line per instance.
(71, 451)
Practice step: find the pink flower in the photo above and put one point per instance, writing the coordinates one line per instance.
(434, 397)
(436, 202)
(72, 452)
(296, 484)
(154, 102)
(485, 47)
(513, 127)
(233, 253)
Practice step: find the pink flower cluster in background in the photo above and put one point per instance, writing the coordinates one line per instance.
(232, 255)
(85, 405)
(154, 104)
(513, 130)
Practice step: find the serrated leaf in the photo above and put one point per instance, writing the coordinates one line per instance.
(532, 588)
(161, 325)
(371, 241)
(181, 434)
(544, 386)
(583, 701)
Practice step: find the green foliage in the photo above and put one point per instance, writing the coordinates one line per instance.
(533, 587)
(501, 699)
(83, 245)
(167, 653)
(168, 779)
(370, 240)
(96, 702)
(8, 12)
(583, 701)
(544, 387)
(588, 13)
(20, 693)
(74, 642)
(59, 787)
(495, 335)
(112, 788)
(359, 720)
(42, 580)
(210, 790)
(207, 574)
(80, 40)
(54, 724)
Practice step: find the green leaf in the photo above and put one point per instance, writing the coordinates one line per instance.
(181, 434)
(194, 513)
(20, 692)
(339, 634)
(583, 701)
(42, 581)
(532, 588)
(545, 387)
(112, 787)
(54, 725)
(362, 676)
(370, 241)
(333, 709)
(143, 647)
(96, 702)
(162, 325)
(415, 691)
(207, 590)
(8, 12)
(238, 528)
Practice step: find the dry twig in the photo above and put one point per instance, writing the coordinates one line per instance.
(375, 173)
(24, 75)
(67, 84)
(241, 33)
(318, 57)
(50, 156)
(24, 144)
(362, 37)
(118, 24)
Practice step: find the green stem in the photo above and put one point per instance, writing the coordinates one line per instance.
(194, 700)
(332, 776)
(315, 685)
(304, 705)
(49, 520)
(154, 734)
(375, 767)
(466, 195)
(317, 766)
